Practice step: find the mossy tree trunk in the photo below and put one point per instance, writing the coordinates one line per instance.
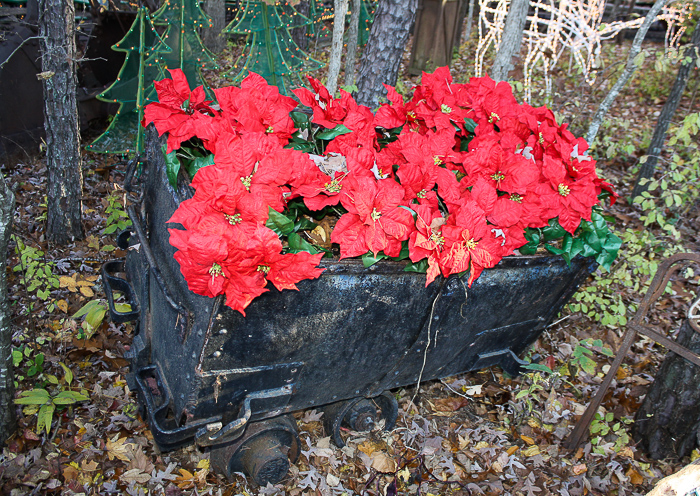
(668, 422)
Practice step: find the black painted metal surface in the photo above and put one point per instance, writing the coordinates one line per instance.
(352, 332)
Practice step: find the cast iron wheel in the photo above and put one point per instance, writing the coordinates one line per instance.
(359, 414)
(264, 453)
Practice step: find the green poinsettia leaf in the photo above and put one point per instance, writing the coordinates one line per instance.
(280, 223)
(172, 167)
(368, 259)
(553, 231)
(329, 134)
(296, 244)
(198, 163)
(420, 266)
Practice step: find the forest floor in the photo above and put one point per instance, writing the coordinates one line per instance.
(477, 433)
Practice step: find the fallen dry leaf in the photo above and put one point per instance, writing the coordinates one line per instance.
(383, 463)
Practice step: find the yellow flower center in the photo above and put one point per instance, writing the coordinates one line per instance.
(269, 129)
(375, 215)
(422, 193)
(541, 140)
(333, 187)
(411, 114)
(498, 176)
(216, 270)
(437, 160)
(246, 181)
(494, 117)
(564, 190)
(437, 238)
(233, 219)
(263, 268)
(516, 198)
(470, 244)
(445, 109)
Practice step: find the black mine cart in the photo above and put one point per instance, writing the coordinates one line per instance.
(208, 375)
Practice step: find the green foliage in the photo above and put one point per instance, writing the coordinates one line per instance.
(25, 358)
(36, 271)
(44, 402)
(619, 140)
(117, 219)
(93, 314)
(583, 352)
(604, 428)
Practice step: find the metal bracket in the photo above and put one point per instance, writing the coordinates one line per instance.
(656, 289)
(216, 433)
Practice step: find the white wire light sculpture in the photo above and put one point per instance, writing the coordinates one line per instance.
(555, 26)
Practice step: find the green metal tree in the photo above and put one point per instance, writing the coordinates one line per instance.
(183, 20)
(270, 50)
(133, 89)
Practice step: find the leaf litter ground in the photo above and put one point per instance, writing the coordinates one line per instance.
(477, 433)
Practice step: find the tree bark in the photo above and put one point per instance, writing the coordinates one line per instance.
(470, 21)
(8, 421)
(353, 34)
(670, 107)
(668, 422)
(511, 40)
(340, 9)
(627, 73)
(213, 38)
(381, 58)
(65, 178)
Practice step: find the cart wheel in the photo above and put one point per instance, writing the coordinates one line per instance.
(359, 414)
(263, 453)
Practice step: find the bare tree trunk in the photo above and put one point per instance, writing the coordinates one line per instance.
(511, 40)
(381, 59)
(470, 21)
(8, 420)
(353, 33)
(668, 422)
(65, 178)
(607, 102)
(213, 39)
(670, 107)
(340, 8)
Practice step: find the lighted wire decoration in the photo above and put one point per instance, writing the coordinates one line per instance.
(133, 88)
(183, 19)
(270, 50)
(565, 24)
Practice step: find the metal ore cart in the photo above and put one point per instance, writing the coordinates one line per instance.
(208, 375)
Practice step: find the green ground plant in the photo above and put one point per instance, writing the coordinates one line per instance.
(37, 272)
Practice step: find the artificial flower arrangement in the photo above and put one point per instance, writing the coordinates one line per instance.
(453, 180)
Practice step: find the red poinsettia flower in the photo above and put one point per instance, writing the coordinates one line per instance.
(328, 111)
(375, 220)
(469, 243)
(180, 112)
(565, 197)
(427, 240)
(436, 102)
(257, 107)
(259, 162)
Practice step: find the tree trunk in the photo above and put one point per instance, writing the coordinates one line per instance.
(670, 107)
(626, 75)
(470, 21)
(668, 422)
(511, 40)
(65, 178)
(353, 33)
(7, 389)
(213, 39)
(340, 9)
(381, 58)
